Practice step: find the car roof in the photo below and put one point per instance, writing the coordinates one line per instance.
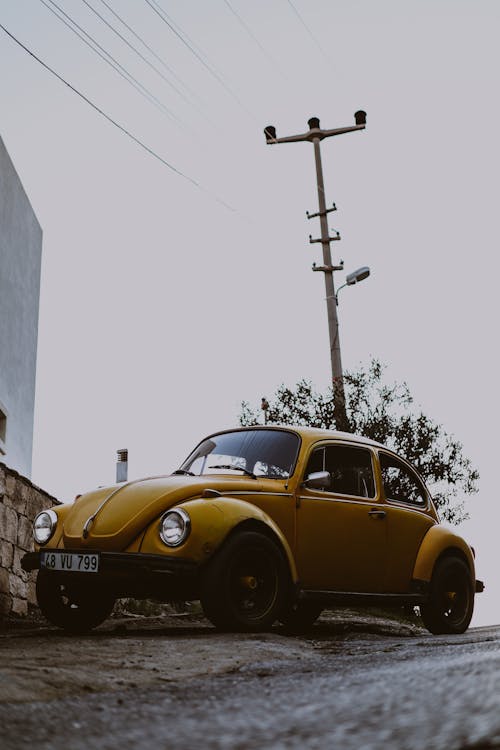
(312, 434)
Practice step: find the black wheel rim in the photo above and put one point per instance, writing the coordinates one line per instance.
(454, 598)
(67, 601)
(253, 584)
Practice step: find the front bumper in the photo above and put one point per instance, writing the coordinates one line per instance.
(134, 574)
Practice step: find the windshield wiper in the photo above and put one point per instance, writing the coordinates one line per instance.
(234, 468)
(184, 471)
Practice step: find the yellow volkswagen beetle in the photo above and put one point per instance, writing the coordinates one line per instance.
(262, 524)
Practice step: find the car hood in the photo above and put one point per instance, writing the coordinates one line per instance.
(110, 518)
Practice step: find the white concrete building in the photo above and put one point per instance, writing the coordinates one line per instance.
(20, 260)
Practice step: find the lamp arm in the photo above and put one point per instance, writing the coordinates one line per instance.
(337, 293)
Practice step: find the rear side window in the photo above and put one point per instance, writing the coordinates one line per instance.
(400, 483)
(350, 469)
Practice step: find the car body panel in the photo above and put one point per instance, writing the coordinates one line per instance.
(120, 512)
(406, 528)
(339, 546)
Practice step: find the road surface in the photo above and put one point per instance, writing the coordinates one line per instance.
(181, 684)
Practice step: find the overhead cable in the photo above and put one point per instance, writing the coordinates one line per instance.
(316, 42)
(115, 123)
(184, 39)
(134, 49)
(148, 47)
(94, 45)
(255, 39)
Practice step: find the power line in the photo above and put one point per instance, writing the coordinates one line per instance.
(187, 99)
(255, 39)
(316, 42)
(149, 48)
(134, 49)
(109, 59)
(190, 45)
(117, 124)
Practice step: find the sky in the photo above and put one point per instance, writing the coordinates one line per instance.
(167, 298)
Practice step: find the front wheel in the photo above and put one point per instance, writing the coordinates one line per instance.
(451, 599)
(70, 607)
(246, 586)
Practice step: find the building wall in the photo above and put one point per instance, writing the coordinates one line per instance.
(20, 260)
(20, 502)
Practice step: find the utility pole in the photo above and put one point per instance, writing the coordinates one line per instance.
(315, 135)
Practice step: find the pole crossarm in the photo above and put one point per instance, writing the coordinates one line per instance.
(324, 239)
(321, 213)
(328, 269)
(312, 134)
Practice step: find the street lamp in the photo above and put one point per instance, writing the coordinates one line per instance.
(353, 278)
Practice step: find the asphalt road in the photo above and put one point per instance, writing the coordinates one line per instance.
(362, 686)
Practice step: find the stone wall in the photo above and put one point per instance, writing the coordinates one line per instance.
(20, 501)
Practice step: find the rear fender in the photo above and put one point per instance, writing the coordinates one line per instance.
(212, 520)
(438, 542)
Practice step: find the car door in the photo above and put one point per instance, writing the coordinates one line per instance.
(341, 530)
(408, 519)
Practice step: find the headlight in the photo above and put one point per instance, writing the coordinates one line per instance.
(44, 526)
(175, 527)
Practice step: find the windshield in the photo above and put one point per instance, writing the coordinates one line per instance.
(261, 453)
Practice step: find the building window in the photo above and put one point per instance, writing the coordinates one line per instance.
(3, 429)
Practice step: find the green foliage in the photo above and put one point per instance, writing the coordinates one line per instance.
(383, 413)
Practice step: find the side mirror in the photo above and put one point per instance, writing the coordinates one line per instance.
(318, 480)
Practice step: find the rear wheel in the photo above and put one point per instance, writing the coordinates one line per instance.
(451, 600)
(72, 608)
(246, 585)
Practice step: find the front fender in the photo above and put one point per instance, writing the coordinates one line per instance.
(212, 520)
(438, 541)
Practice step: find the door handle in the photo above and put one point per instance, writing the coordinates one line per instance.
(377, 513)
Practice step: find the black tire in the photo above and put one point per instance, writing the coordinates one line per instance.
(246, 585)
(451, 598)
(301, 616)
(75, 609)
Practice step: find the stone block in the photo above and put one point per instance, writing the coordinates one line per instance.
(8, 524)
(3, 486)
(31, 589)
(5, 604)
(17, 586)
(16, 495)
(25, 534)
(6, 554)
(19, 606)
(21, 497)
(4, 581)
(10, 485)
(16, 564)
(36, 502)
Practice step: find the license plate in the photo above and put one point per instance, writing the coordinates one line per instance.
(75, 562)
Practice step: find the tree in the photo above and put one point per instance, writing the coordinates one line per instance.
(383, 413)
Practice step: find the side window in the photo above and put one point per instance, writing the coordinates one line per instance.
(350, 469)
(316, 461)
(400, 483)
